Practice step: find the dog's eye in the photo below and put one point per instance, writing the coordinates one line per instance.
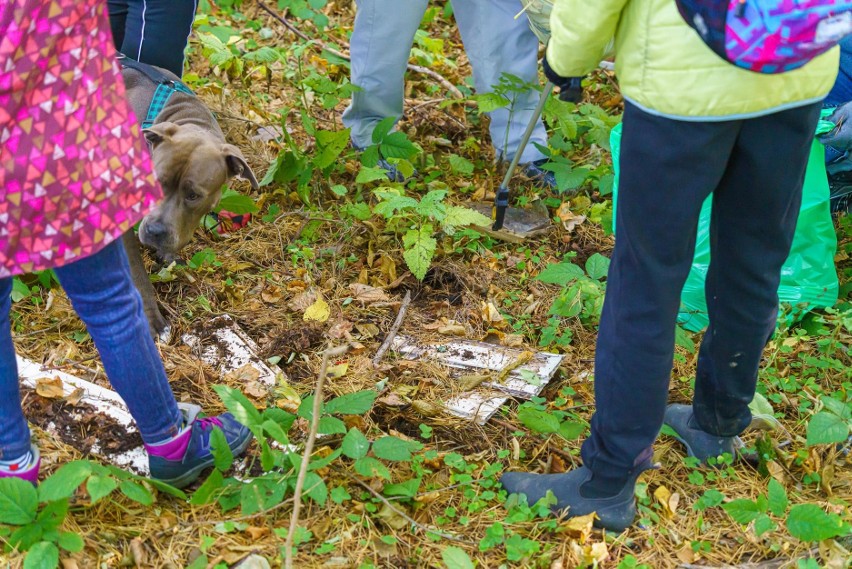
(192, 196)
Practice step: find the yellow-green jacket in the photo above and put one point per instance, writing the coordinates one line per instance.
(665, 68)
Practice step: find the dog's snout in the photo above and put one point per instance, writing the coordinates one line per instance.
(155, 230)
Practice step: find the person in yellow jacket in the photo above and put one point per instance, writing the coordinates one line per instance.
(693, 125)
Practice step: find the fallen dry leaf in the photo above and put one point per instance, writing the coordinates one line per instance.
(392, 400)
(569, 219)
(340, 329)
(668, 500)
(580, 527)
(271, 294)
(302, 301)
(491, 315)
(367, 294)
(75, 396)
(685, 554)
(337, 370)
(318, 311)
(50, 388)
(367, 330)
(256, 532)
(452, 328)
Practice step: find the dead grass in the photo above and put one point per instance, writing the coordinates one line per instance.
(262, 274)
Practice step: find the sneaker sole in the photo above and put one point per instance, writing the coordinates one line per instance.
(192, 474)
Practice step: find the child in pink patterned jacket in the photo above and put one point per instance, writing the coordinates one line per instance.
(74, 176)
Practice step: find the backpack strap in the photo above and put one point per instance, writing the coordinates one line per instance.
(165, 87)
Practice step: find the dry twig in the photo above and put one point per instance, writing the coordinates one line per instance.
(394, 329)
(309, 449)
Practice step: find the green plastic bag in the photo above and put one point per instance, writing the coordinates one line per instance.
(808, 277)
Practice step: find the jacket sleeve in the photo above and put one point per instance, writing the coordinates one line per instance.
(580, 31)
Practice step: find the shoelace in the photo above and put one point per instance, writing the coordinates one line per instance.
(208, 423)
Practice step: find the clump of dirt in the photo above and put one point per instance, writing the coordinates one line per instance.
(286, 340)
(79, 425)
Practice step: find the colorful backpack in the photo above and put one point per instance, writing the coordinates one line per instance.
(769, 36)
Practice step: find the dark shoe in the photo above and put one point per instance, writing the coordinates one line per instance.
(840, 192)
(699, 444)
(615, 511)
(535, 171)
(393, 173)
(180, 460)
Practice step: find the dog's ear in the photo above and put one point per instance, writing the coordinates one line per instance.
(237, 165)
(160, 132)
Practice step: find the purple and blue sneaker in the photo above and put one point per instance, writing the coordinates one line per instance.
(180, 460)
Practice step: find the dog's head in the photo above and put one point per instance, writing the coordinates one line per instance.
(192, 165)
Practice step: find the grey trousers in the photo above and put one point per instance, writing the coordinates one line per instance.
(495, 42)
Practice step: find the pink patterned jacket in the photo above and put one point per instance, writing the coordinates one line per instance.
(75, 173)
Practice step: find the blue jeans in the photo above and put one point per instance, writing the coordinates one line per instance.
(104, 296)
(668, 168)
(840, 94)
(155, 32)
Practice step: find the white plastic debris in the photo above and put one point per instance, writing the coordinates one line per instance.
(469, 357)
(225, 346)
(103, 400)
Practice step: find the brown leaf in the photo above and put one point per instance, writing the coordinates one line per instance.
(491, 315)
(557, 464)
(74, 397)
(302, 301)
(579, 527)
(569, 219)
(452, 328)
(685, 554)
(271, 294)
(50, 388)
(244, 374)
(257, 533)
(339, 329)
(137, 550)
(392, 400)
(367, 294)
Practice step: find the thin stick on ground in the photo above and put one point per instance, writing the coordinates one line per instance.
(309, 449)
(400, 316)
(415, 68)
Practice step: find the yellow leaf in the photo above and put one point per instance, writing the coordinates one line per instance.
(580, 527)
(50, 388)
(336, 371)
(668, 500)
(318, 311)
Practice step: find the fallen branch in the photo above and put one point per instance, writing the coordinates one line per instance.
(309, 449)
(415, 68)
(394, 329)
(405, 516)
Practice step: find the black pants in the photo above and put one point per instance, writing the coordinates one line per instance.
(755, 169)
(155, 32)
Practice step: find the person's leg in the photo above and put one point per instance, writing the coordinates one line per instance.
(497, 43)
(755, 210)
(117, 21)
(380, 46)
(659, 200)
(103, 294)
(14, 433)
(157, 32)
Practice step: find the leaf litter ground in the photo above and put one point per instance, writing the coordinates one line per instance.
(267, 275)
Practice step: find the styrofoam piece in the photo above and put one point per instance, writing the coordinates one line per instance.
(230, 350)
(476, 357)
(475, 406)
(104, 400)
